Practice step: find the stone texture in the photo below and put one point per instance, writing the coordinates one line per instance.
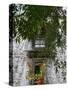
(20, 67)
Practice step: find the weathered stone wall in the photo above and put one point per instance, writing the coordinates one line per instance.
(55, 72)
(20, 67)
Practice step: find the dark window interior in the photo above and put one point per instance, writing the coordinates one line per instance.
(37, 69)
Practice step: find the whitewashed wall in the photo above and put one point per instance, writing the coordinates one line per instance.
(20, 67)
(54, 77)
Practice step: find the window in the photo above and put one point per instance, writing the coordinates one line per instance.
(37, 69)
(39, 43)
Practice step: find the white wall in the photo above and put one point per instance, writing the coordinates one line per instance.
(20, 67)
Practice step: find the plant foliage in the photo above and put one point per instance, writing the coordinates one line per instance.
(33, 21)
